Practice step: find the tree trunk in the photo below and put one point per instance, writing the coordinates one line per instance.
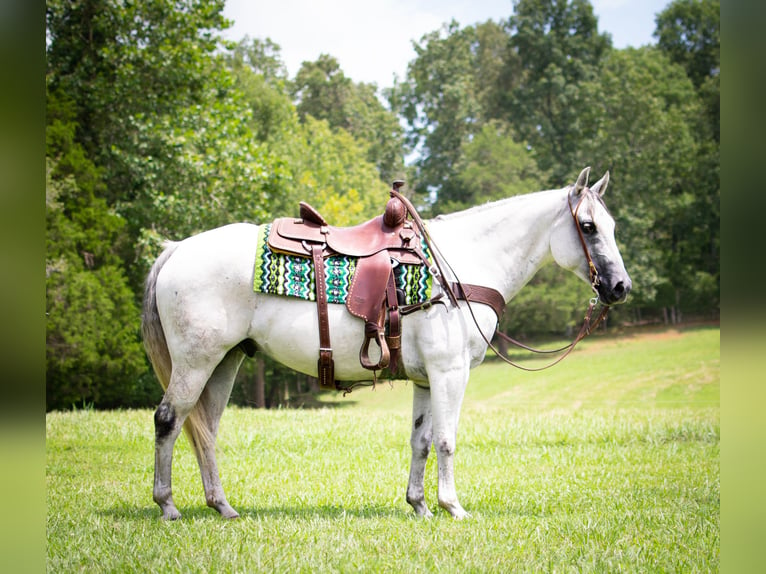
(259, 383)
(501, 345)
(286, 388)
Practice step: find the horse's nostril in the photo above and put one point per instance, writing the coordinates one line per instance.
(619, 288)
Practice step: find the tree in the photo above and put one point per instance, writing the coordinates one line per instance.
(123, 60)
(92, 350)
(199, 169)
(551, 304)
(159, 115)
(261, 77)
(147, 138)
(322, 91)
(689, 32)
(558, 47)
(493, 166)
(330, 170)
(442, 100)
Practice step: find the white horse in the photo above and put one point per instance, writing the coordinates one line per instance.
(200, 310)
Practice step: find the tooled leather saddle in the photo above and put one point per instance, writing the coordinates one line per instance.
(377, 245)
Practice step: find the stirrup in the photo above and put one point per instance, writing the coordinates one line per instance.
(385, 355)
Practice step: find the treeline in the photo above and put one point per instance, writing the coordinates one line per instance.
(158, 129)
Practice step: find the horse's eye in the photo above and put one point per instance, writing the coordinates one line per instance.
(588, 227)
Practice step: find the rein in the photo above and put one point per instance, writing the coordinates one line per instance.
(489, 296)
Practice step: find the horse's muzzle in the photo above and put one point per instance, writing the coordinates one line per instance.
(614, 290)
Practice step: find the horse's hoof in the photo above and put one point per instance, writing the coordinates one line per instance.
(457, 511)
(171, 514)
(225, 510)
(420, 508)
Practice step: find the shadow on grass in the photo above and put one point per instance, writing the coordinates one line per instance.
(307, 401)
(196, 513)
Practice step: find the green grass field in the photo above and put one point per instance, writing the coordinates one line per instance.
(607, 462)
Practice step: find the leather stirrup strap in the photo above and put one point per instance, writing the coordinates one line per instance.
(325, 364)
(394, 337)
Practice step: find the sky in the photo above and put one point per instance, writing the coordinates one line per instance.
(372, 41)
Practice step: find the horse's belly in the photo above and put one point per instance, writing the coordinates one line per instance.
(287, 330)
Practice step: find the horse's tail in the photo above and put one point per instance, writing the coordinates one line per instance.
(157, 350)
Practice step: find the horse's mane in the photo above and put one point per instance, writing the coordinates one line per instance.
(522, 197)
(491, 205)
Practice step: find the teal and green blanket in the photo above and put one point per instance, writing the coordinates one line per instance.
(281, 274)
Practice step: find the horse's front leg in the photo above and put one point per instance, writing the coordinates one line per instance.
(420, 441)
(447, 393)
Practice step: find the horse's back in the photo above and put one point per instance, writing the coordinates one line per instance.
(225, 250)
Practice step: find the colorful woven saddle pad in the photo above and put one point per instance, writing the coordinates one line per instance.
(291, 276)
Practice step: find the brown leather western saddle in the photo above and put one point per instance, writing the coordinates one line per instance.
(378, 245)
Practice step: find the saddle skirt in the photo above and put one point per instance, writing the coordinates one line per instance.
(279, 273)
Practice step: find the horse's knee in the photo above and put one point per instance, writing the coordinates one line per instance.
(164, 420)
(421, 445)
(445, 446)
(420, 440)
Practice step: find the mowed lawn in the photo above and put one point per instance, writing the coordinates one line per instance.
(607, 462)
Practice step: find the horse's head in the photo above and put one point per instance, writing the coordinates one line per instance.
(584, 234)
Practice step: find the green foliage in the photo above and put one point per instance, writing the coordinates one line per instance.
(92, 350)
(330, 170)
(323, 91)
(493, 166)
(198, 170)
(260, 76)
(558, 47)
(119, 60)
(441, 101)
(93, 354)
(552, 303)
(689, 32)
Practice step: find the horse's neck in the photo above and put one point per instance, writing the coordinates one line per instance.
(501, 244)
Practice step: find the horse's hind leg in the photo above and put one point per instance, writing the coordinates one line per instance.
(420, 441)
(214, 400)
(186, 385)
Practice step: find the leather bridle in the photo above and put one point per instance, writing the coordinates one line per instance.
(489, 296)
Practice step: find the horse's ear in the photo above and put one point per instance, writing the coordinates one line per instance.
(600, 186)
(582, 181)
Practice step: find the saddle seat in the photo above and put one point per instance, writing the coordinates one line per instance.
(378, 245)
(294, 236)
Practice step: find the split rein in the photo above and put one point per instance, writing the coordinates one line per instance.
(464, 293)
